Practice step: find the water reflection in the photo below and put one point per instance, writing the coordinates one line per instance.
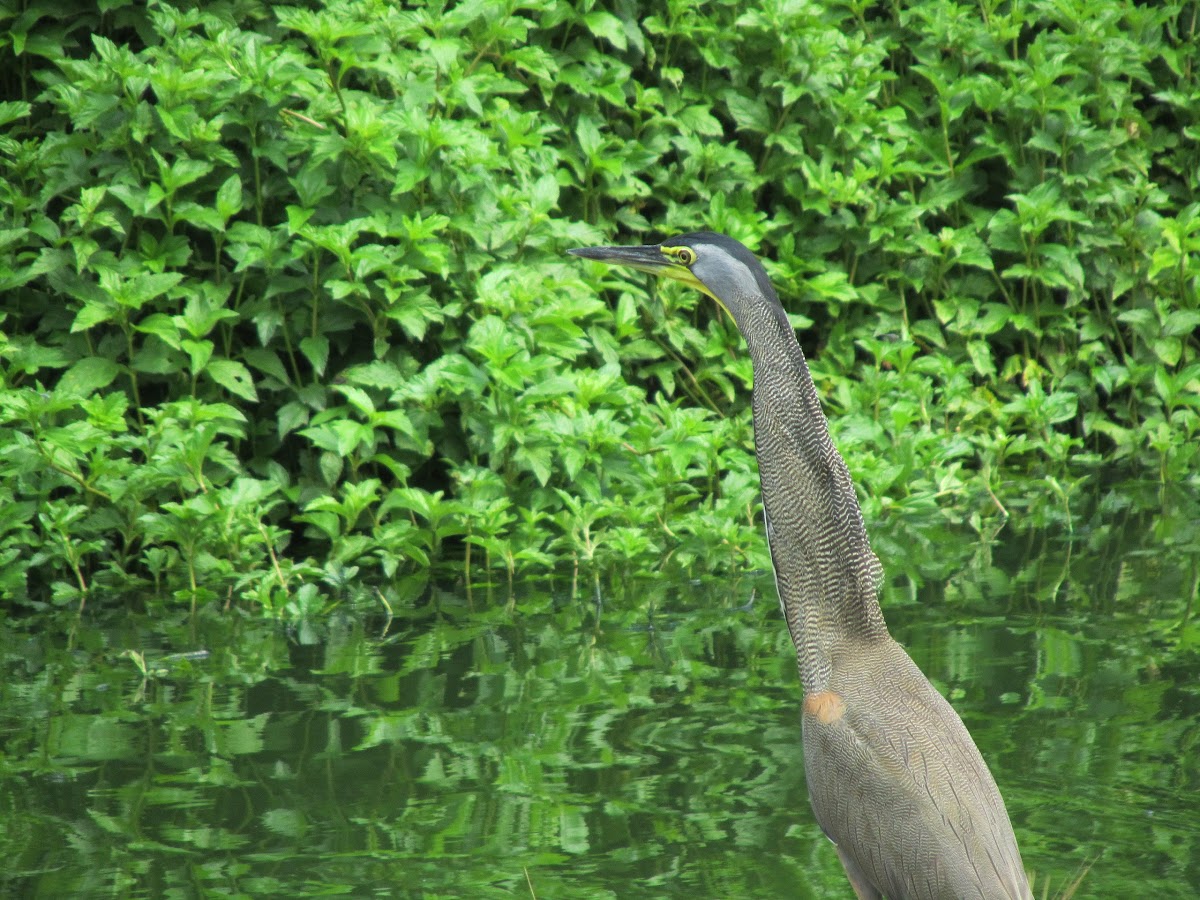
(534, 751)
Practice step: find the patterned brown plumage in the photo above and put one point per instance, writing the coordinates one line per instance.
(894, 778)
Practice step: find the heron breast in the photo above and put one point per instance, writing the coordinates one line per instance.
(826, 707)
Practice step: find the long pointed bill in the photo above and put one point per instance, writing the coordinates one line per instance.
(648, 258)
(645, 259)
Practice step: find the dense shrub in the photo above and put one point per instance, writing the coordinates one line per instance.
(285, 313)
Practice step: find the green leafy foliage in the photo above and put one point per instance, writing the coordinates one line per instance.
(285, 315)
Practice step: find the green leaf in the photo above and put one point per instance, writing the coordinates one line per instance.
(156, 358)
(331, 465)
(267, 361)
(1168, 349)
(607, 26)
(87, 376)
(163, 326)
(700, 120)
(92, 314)
(750, 113)
(11, 110)
(981, 358)
(589, 138)
(316, 351)
(181, 172)
(377, 374)
(233, 376)
(394, 418)
(200, 353)
(995, 316)
(1065, 261)
(229, 197)
(357, 397)
(1181, 322)
(1139, 316)
(291, 416)
(135, 292)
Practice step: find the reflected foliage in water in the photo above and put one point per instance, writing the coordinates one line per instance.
(646, 747)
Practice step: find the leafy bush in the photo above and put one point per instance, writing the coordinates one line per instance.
(285, 315)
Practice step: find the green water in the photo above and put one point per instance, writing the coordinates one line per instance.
(549, 747)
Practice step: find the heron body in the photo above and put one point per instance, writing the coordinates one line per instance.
(894, 778)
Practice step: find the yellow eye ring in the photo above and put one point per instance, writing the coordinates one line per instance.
(685, 255)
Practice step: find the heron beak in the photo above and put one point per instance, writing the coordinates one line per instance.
(648, 258)
(645, 259)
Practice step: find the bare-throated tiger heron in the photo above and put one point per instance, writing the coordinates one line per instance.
(894, 778)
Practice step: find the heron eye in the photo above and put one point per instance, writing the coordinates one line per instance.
(685, 255)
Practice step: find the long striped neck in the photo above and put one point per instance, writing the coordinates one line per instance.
(827, 575)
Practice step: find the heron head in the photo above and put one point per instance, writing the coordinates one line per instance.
(713, 263)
